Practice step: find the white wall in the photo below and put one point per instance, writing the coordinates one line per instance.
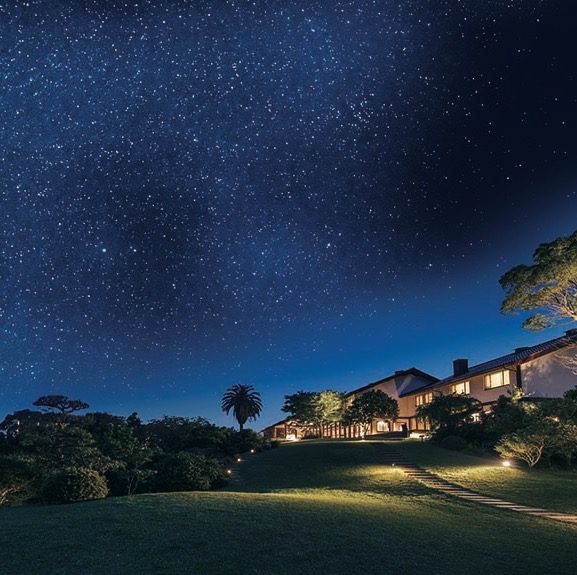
(547, 376)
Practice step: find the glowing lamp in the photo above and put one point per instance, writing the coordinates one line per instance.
(506, 463)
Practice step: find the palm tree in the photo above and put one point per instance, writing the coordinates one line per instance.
(244, 401)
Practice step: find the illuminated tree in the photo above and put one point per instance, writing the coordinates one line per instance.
(329, 408)
(530, 443)
(371, 405)
(314, 409)
(244, 402)
(548, 287)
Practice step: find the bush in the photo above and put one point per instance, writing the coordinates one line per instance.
(189, 472)
(17, 481)
(454, 443)
(75, 484)
(130, 481)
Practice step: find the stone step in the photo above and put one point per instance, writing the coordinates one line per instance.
(430, 479)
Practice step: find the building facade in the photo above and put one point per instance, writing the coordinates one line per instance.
(541, 371)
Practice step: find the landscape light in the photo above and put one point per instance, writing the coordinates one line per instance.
(506, 463)
(229, 471)
(238, 459)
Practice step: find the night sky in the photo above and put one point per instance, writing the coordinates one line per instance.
(287, 194)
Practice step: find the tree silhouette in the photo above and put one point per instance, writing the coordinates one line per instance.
(61, 404)
(244, 401)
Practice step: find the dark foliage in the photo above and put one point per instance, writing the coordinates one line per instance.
(454, 443)
(47, 455)
(189, 472)
(74, 484)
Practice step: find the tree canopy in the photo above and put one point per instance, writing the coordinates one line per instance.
(446, 412)
(371, 405)
(244, 401)
(548, 287)
(315, 409)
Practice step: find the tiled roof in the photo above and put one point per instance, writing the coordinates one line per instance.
(411, 371)
(518, 357)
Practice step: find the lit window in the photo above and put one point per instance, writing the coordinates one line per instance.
(382, 426)
(497, 379)
(423, 398)
(462, 388)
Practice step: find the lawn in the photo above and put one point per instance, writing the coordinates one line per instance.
(312, 507)
(550, 488)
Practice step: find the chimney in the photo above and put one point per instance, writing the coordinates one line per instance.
(571, 332)
(460, 366)
(520, 349)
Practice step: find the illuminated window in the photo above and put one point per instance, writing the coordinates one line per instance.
(462, 388)
(423, 398)
(382, 426)
(497, 379)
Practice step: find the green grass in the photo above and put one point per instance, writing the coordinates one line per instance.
(552, 489)
(306, 508)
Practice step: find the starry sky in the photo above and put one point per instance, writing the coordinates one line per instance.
(287, 194)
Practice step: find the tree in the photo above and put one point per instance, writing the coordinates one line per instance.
(244, 402)
(510, 413)
(61, 404)
(301, 407)
(445, 413)
(314, 409)
(548, 287)
(371, 405)
(530, 443)
(329, 407)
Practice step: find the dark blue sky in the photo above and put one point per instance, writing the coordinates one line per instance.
(293, 195)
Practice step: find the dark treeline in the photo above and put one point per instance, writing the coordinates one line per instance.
(55, 455)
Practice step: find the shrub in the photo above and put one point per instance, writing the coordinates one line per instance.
(189, 472)
(75, 484)
(17, 481)
(454, 442)
(130, 481)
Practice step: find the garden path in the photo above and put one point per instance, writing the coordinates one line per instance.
(431, 480)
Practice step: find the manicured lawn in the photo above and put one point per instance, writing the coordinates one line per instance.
(553, 489)
(308, 508)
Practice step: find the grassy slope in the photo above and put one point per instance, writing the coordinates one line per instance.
(306, 508)
(553, 489)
